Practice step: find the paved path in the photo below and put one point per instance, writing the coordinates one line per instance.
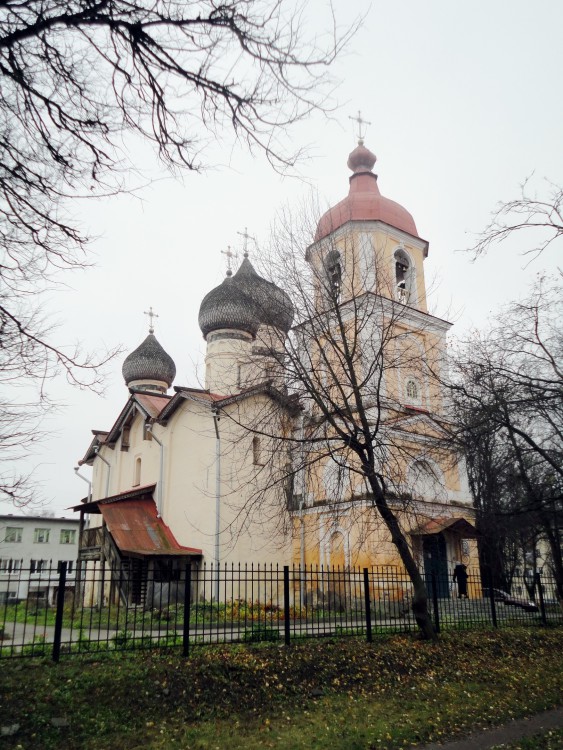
(506, 734)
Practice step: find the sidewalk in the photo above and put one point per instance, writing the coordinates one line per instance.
(506, 734)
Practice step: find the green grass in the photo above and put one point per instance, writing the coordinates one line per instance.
(330, 693)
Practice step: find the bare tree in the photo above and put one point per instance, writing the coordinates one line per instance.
(508, 395)
(541, 219)
(77, 76)
(357, 348)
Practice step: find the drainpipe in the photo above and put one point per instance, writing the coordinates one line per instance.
(102, 553)
(301, 507)
(84, 479)
(217, 498)
(107, 463)
(159, 492)
(78, 574)
(88, 499)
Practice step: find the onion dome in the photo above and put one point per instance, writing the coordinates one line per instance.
(228, 306)
(364, 201)
(272, 305)
(245, 301)
(149, 362)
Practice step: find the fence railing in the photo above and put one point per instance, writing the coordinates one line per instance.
(150, 605)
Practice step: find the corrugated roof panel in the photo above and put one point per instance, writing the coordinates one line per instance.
(136, 528)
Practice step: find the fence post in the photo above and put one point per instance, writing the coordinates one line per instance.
(492, 600)
(435, 602)
(367, 599)
(542, 602)
(286, 604)
(59, 615)
(187, 609)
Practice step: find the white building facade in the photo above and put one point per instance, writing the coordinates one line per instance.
(31, 551)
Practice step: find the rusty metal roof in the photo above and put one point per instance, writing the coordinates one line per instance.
(152, 403)
(136, 529)
(135, 526)
(455, 524)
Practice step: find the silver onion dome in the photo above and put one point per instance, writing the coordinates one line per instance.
(228, 306)
(273, 306)
(149, 361)
(245, 301)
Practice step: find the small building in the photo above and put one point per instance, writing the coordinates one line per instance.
(31, 551)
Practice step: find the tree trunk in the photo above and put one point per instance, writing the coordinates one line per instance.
(420, 595)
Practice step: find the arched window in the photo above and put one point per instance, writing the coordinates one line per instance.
(137, 478)
(337, 550)
(333, 269)
(426, 481)
(336, 479)
(412, 391)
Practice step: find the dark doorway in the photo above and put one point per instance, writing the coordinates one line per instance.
(436, 561)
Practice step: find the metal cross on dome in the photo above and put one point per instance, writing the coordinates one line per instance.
(152, 315)
(229, 253)
(246, 237)
(361, 122)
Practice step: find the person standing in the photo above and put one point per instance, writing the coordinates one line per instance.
(460, 577)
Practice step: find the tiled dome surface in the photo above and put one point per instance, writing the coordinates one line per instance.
(149, 361)
(245, 301)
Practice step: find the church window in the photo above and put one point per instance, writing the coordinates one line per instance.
(426, 481)
(256, 451)
(336, 477)
(337, 550)
(137, 478)
(413, 391)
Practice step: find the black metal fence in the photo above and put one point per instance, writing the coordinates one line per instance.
(144, 605)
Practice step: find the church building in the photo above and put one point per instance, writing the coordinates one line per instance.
(190, 474)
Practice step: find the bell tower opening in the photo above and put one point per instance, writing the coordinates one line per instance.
(333, 268)
(403, 276)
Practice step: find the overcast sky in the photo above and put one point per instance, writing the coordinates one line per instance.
(465, 103)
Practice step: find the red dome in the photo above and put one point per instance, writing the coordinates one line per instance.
(364, 201)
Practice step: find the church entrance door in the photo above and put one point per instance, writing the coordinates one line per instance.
(436, 561)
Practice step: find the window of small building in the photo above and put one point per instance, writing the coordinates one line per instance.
(257, 451)
(69, 566)
(137, 476)
(41, 536)
(8, 565)
(38, 566)
(13, 534)
(68, 536)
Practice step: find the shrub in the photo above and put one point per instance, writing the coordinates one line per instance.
(259, 635)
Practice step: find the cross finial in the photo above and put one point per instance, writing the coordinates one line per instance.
(152, 315)
(361, 122)
(229, 253)
(246, 237)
